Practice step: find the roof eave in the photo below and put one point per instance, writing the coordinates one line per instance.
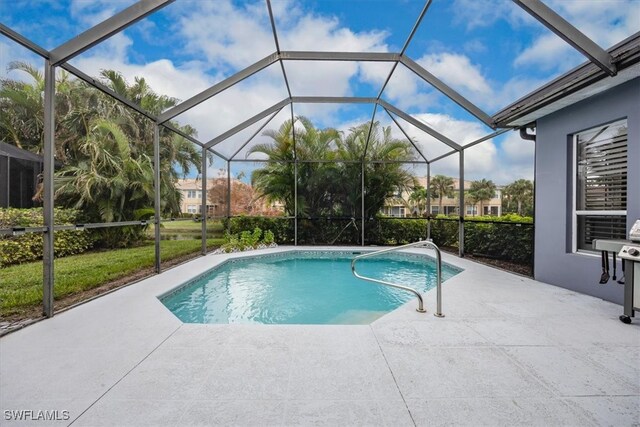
(625, 54)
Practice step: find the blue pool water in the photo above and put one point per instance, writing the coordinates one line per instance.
(310, 287)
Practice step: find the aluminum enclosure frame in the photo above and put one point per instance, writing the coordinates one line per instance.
(59, 57)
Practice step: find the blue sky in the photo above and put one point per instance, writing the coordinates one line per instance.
(488, 50)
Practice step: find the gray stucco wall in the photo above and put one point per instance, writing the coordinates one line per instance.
(553, 261)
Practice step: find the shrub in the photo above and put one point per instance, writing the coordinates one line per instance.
(507, 238)
(28, 247)
(268, 238)
(282, 228)
(247, 240)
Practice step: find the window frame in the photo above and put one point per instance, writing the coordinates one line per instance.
(573, 167)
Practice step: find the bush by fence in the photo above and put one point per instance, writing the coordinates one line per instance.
(28, 247)
(507, 238)
(282, 228)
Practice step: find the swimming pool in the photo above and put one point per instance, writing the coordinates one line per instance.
(302, 287)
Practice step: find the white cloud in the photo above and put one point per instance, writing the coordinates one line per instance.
(407, 91)
(458, 71)
(516, 149)
(229, 37)
(605, 21)
(514, 89)
(375, 73)
(548, 52)
(204, 31)
(475, 46)
(485, 13)
(320, 78)
(516, 157)
(95, 11)
(478, 162)
(162, 75)
(502, 160)
(12, 52)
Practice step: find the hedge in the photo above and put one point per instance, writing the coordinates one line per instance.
(282, 228)
(506, 238)
(28, 247)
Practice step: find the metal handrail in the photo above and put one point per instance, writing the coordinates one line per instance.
(420, 308)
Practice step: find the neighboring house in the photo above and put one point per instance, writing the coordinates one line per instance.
(399, 205)
(191, 190)
(587, 167)
(19, 170)
(243, 198)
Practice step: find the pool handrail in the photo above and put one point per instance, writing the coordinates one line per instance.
(429, 243)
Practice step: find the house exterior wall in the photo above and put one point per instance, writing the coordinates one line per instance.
(395, 207)
(243, 199)
(193, 187)
(554, 262)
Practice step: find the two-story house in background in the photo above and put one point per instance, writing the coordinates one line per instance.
(244, 200)
(400, 205)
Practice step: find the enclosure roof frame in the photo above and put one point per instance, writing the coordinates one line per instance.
(115, 24)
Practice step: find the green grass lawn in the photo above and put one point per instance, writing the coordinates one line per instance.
(21, 285)
(189, 227)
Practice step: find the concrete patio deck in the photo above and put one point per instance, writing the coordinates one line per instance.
(510, 351)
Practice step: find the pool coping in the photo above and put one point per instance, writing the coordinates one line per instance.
(202, 265)
(119, 359)
(181, 287)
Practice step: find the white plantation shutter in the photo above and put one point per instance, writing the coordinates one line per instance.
(601, 183)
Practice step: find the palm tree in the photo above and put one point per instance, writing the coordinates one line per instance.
(105, 147)
(22, 107)
(441, 186)
(380, 179)
(481, 191)
(520, 192)
(276, 181)
(417, 197)
(109, 184)
(333, 186)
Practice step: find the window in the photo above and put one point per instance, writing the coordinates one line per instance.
(472, 210)
(435, 210)
(450, 210)
(397, 211)
(490, 210)
(191, 208)
(191, 194)
(600, 202)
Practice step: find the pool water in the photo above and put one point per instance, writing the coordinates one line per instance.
(308, 287)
